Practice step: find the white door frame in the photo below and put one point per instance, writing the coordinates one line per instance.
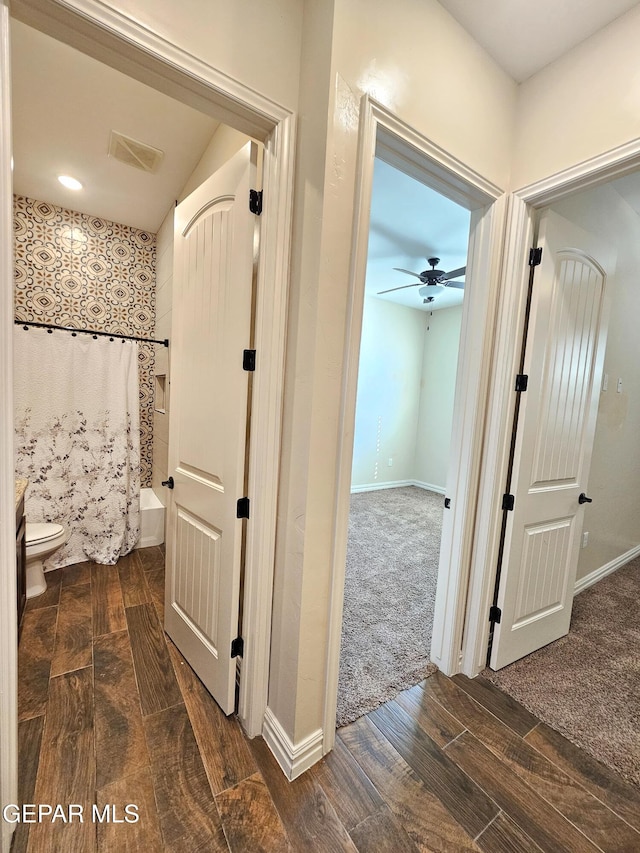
(521, 232)
(404, 147)
(107, 35)
(8, 610)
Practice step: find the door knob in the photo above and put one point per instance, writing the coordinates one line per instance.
(169, 483)
(583, 499)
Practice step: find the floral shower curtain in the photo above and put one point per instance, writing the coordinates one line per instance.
(78, 439)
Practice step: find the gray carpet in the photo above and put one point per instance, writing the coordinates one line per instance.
(587, 684)
(392, 564)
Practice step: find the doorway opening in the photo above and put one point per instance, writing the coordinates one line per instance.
(581, 676)
(412, 316)
(387, 139)
(144, 55)
(102, 259)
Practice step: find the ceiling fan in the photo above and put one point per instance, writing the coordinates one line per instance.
(431, 280)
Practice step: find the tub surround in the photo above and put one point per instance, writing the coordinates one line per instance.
(21, 488)
(152, 514)
(72, 269)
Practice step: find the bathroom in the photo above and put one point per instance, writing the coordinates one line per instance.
(99, 258)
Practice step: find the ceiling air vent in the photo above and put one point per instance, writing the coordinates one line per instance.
(134, 153)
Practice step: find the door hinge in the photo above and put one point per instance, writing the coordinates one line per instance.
(522, 380)
(508, 502)
(249, 359)
(535, 257)
(242, 510)
(495, 614)
(255, 201)
(237, 647)
(447, 503)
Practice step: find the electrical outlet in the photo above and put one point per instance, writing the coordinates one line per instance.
(390, 462)
(619, 389)
(585, 538)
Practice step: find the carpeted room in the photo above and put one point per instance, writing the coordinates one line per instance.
(404, 414)
(587, 684)
(584, 685)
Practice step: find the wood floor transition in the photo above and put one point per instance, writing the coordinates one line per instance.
(110, 714)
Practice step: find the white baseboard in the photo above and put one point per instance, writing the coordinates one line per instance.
(374, 487)
(294, 759)
(397, 484)
(607, 569)
(430, 487)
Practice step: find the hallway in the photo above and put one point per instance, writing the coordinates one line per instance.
(111, 714)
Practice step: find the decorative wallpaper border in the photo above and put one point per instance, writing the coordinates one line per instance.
(77, 270)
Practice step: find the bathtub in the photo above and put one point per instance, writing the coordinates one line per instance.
(151, 520)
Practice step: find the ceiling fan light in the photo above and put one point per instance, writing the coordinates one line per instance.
(430, 291)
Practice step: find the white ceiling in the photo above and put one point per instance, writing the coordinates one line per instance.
(65, 105)
(524, 36)
(409, 223)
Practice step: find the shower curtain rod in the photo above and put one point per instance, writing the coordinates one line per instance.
(25, 323)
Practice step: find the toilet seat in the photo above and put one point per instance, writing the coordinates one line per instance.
(38, 533)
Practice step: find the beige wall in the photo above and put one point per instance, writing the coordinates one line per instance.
(254, 42)
(387, 406)
(406, 386)
(435, 420)
(299, 624)
(415, 59)
(613, 520)
(224, 143)
(582, 105)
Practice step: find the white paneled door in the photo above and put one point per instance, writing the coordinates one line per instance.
(556, 425)
(212, 304)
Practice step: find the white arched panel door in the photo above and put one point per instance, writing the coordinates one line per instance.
(554, 439)
(211, 326)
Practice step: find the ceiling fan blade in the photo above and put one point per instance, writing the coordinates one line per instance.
(408, 272)
(454, 274)
(458, 285)
(404, 287)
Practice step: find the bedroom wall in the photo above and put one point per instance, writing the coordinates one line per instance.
(613, 519)
(435, 417)
(387, 403)
(404, 405)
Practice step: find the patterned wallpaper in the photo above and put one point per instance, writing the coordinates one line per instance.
(72, 269)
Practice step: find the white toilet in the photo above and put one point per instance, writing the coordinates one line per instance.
(42, 539)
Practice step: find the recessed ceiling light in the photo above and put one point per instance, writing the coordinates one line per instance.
(69, 182)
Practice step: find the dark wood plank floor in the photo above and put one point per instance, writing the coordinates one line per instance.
(111, 714)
